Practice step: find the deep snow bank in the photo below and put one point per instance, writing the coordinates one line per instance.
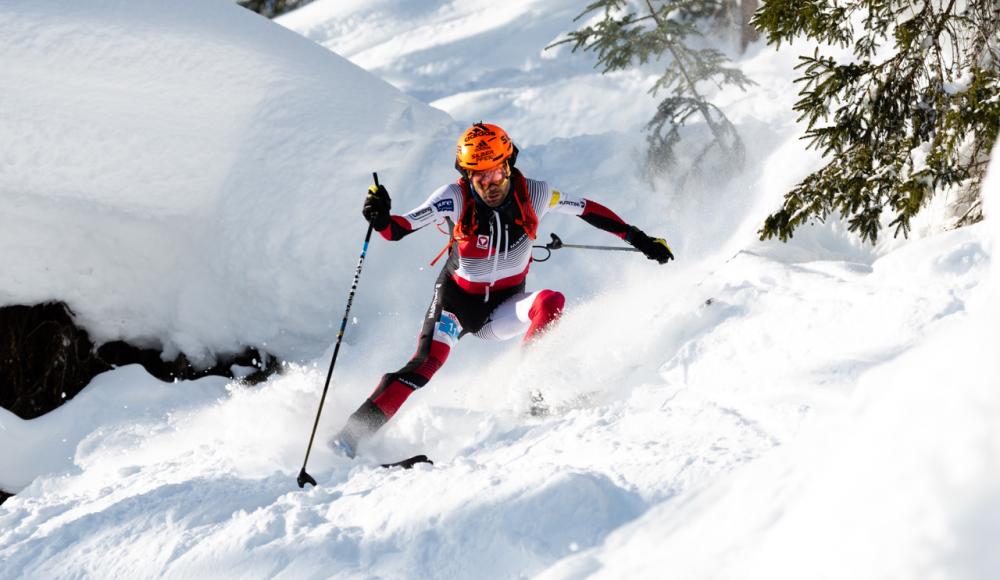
(180, 171)
(717, 439)
(897, 479)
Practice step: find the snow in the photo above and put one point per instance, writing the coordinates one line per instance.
(190, 173)
(189, 165)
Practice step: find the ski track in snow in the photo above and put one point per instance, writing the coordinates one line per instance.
(753, 410)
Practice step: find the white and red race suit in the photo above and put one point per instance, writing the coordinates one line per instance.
(480, 290)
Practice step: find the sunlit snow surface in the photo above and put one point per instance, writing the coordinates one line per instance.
(816, 410)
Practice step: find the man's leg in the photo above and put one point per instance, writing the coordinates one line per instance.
(528, 313)
(438, 335)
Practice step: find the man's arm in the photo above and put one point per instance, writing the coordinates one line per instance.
(440, 204)
(603, 218)
(589, 211)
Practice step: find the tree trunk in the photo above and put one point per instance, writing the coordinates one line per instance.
(748, 33)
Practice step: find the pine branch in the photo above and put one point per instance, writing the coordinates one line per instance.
(623, 38)
(874, 120)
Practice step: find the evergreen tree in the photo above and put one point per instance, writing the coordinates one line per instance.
(272, 8)
(914, 113)
(640, 31)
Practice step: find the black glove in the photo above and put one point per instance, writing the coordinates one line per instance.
(377, 206)
(653, 248)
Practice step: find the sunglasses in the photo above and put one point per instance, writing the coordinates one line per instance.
(498, 173)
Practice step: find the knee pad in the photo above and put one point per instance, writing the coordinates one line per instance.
(545, 309)
(547, 306)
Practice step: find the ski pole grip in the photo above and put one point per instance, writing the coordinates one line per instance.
(375, 177)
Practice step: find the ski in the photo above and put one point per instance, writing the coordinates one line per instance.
(409, 463)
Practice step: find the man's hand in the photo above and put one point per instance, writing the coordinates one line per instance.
(376, 209)
(653, 248)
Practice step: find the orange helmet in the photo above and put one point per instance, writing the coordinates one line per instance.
(483, 146)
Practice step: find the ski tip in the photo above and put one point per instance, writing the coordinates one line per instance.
(409, 463)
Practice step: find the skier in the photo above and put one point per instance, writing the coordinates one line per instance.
(493, 212)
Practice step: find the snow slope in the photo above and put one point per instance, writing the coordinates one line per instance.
(479, 59)
(753, 410)
(181, 173)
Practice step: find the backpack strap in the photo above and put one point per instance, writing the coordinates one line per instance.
(446, 246)
(464, 227)
(529, 219)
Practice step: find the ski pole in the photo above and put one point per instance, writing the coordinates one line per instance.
(557, 244)
(304, 477)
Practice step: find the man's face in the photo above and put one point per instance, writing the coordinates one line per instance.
(492, 185)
